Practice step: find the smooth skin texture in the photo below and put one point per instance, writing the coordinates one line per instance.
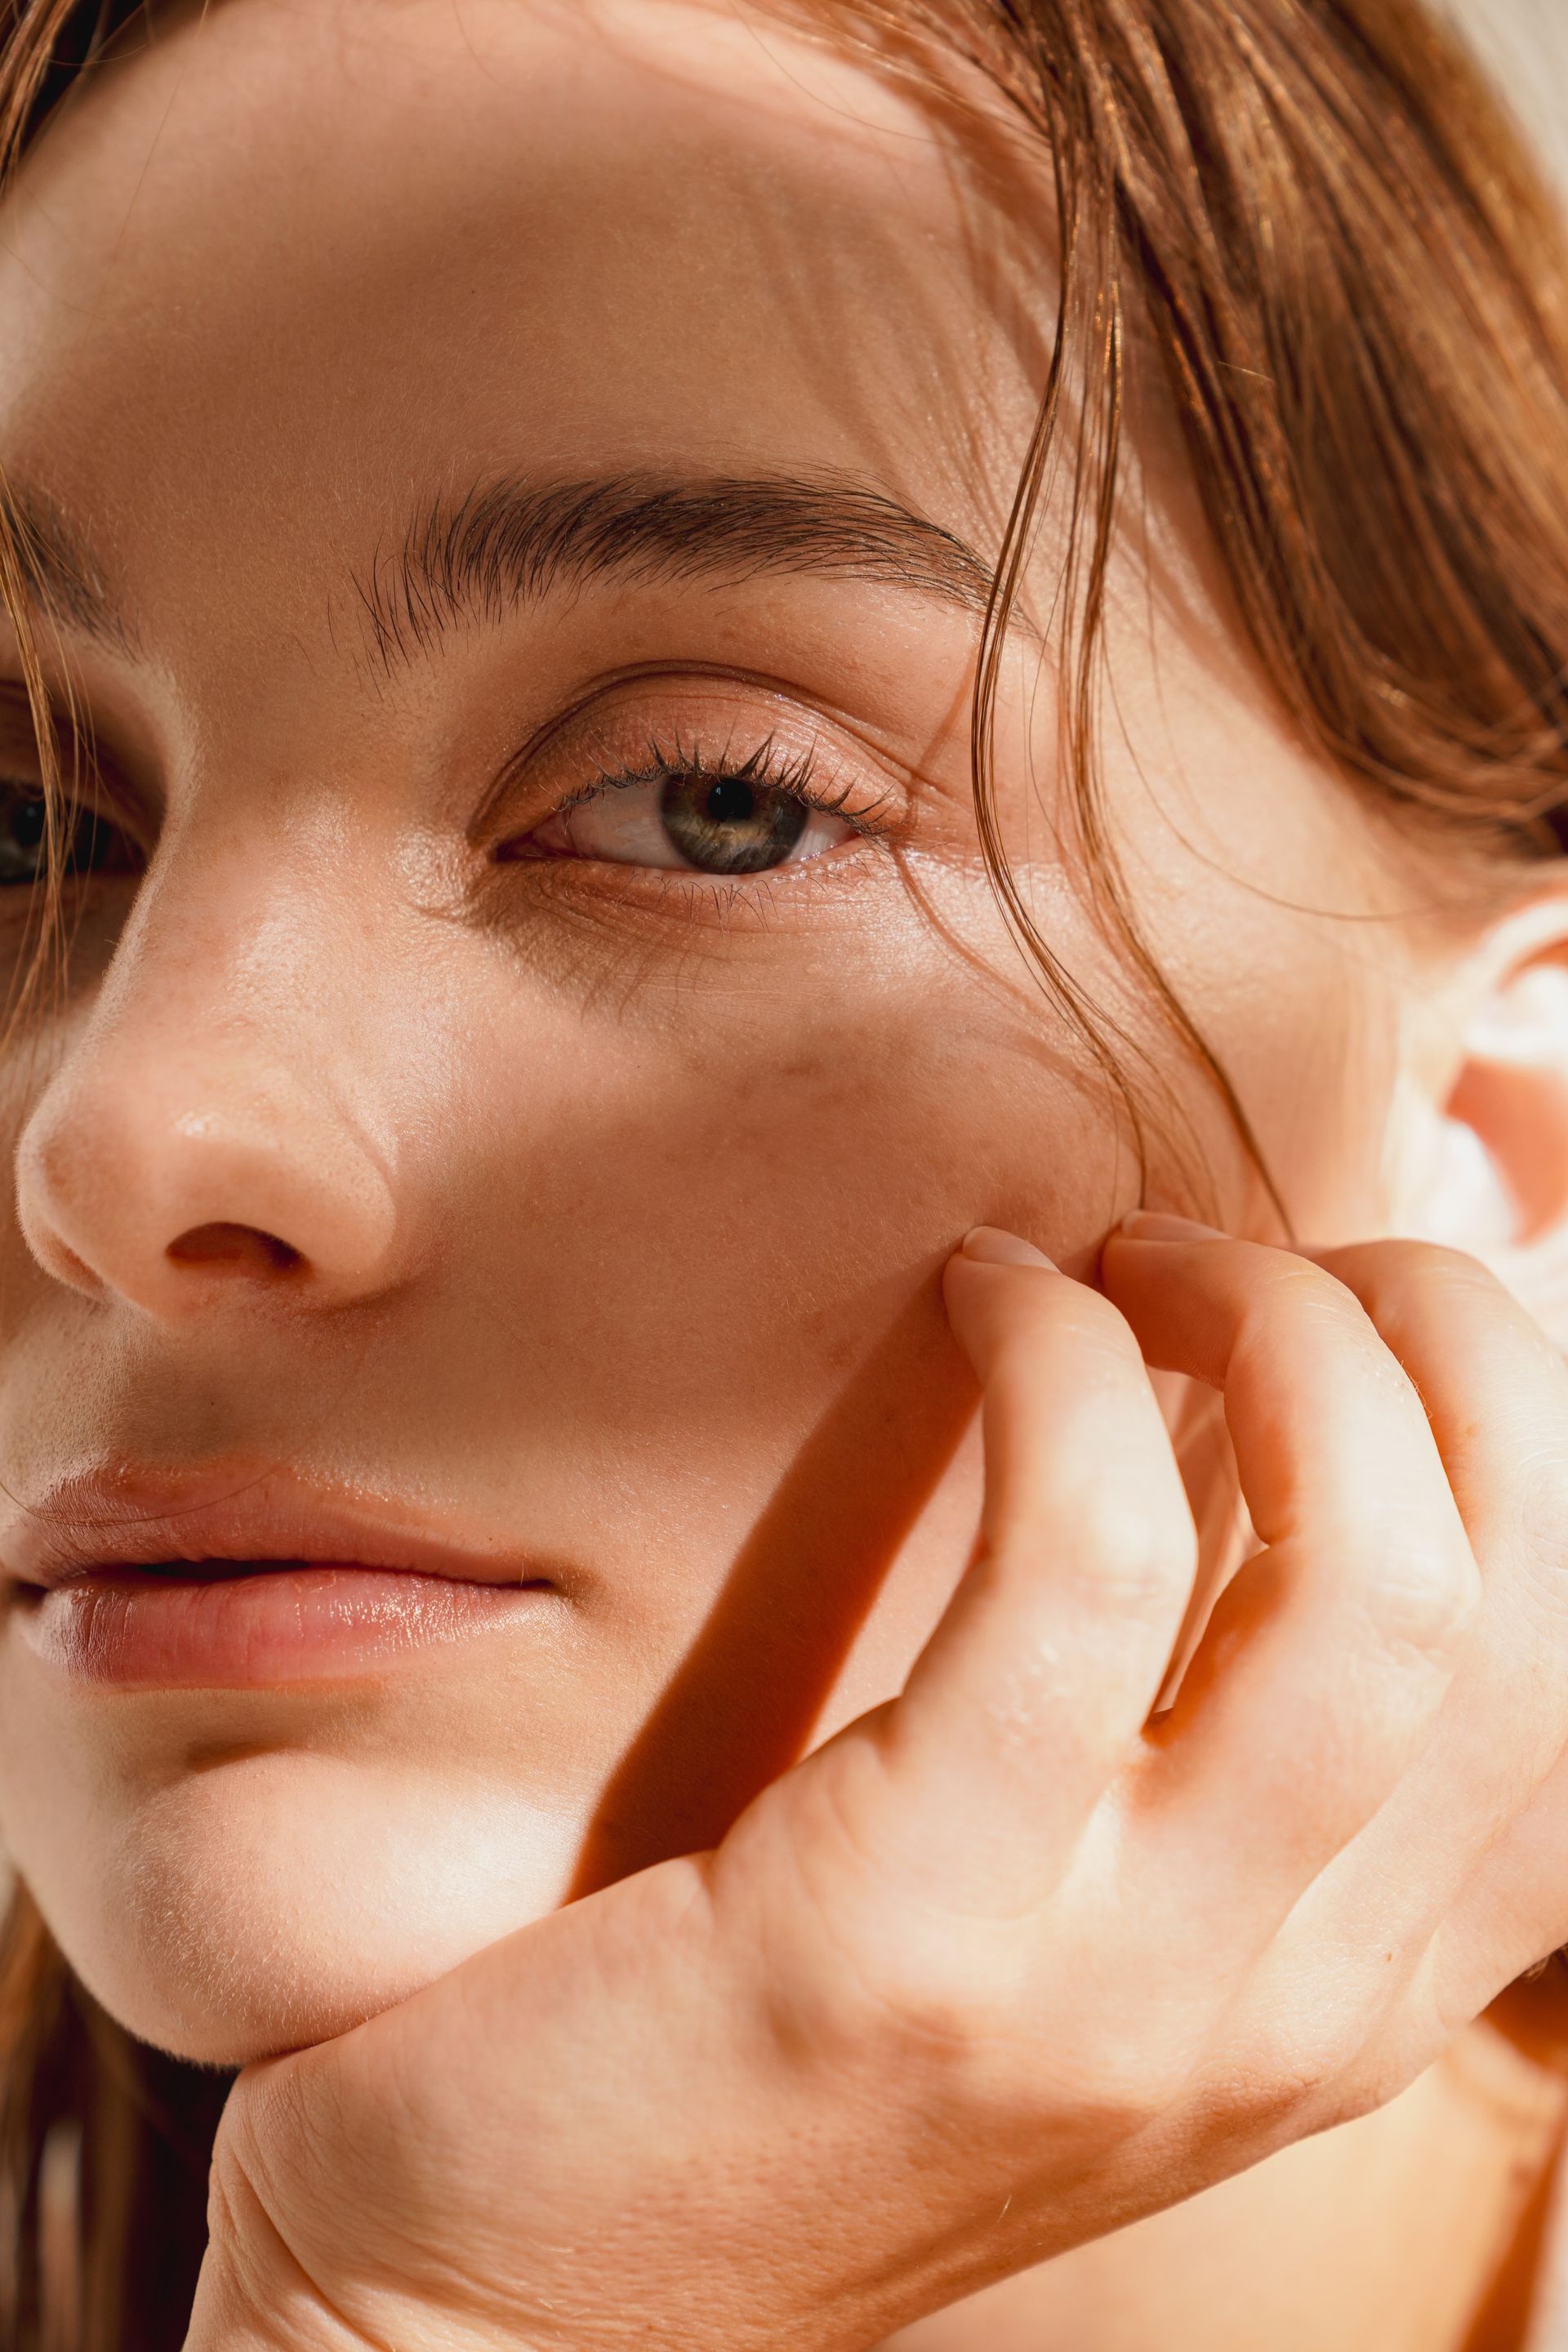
(616, 1200)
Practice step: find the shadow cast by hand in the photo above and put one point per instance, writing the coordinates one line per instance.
(743, 1703)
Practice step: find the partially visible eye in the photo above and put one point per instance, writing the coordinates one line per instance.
(90, 843)
(702, 819)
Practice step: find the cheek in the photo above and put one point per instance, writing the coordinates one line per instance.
(755, 1173)
(679, 1328)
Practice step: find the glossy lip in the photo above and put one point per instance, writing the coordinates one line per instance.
(128, 1518)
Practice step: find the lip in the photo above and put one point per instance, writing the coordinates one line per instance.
(244, 1576)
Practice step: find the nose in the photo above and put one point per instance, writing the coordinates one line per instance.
(190, 1149)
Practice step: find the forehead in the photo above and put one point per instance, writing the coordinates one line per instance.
(297, 262)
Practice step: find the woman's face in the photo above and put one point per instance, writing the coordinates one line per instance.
(512, 491)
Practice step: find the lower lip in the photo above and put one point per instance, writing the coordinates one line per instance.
(258, 1628)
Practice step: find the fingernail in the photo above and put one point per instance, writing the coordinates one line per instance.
(1155, 1225)
(989, 1245)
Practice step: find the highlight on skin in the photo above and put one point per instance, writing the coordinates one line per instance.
(754, 620)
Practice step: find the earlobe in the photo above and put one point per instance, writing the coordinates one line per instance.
(1498, 1180)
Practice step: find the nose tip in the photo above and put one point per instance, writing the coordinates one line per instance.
(172, 1195)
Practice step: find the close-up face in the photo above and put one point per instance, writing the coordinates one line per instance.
(513, 492)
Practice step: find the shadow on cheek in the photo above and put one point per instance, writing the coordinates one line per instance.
(744, 1701)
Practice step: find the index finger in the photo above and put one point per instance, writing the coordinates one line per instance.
(1023, 1707)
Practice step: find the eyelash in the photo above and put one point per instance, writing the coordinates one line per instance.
(767, 766)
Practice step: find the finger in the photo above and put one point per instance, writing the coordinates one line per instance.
(1043, 1671)
(1329, 1656)
(1474, 1804)
(1495, 1391)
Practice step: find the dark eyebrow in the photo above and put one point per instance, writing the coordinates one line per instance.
(512, 542)
(58, 575)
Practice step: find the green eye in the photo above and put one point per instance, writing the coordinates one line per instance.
(694, 817)
(90, 843)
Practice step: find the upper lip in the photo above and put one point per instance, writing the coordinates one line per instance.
(128, 1517)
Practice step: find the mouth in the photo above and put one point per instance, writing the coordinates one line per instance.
(237, 1578)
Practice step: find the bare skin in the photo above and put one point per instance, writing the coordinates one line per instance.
(423, 1130)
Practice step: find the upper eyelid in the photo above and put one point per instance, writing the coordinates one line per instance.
(78, 745)
(873, 809)
(501, 818)
(18, 738)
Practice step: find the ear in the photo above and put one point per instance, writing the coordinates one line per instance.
(1493, 1176)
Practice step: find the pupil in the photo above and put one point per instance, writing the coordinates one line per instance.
(730, 801)
(728, 824)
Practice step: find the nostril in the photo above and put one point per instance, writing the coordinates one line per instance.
(243, 1249)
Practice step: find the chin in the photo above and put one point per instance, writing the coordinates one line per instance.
(277, 1902)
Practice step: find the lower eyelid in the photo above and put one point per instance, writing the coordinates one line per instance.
(662, 903)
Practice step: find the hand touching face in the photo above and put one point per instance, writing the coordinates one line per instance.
(1006, 1964)
(512, 500)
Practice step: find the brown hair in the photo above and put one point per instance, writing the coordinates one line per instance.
(1322, 220)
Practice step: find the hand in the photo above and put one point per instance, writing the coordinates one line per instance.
(1005, 1964)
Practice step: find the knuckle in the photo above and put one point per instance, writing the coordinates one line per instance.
(1125, 1544)
(1292, 1296)
(1119, 1577)
(1419, 1261)
(1384, 1270)
(956, 2021)
(1135, 2086)
(1317, 2063)
(1431, 1262)
(1122, 1553)
(1290, 1281)
(988, 2073)
(1424, 1596)
(1293, 2080)
(932, 1999)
